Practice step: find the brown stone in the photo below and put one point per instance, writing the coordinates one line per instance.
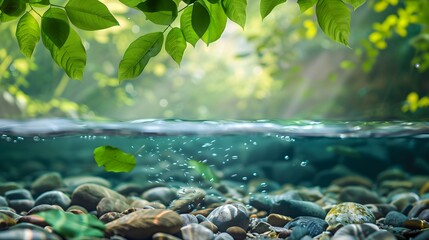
(237, 233)
(278, 220)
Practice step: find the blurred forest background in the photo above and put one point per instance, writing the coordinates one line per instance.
(281, 68)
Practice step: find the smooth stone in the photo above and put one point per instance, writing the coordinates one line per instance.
(3, 202)
(391, 174)
(402, 200)
(54, 198)
(43, 207)
(278, 220)
(424, 215)
(422, 236)
(355, 231)
(89, 195)
(299, 233)
(354, 180)
(11, 213)
(163, 195)
(142, 224)
(418, 208)
(229, 215)
(128, 189)
(358, 194)
(294, 208)
(47, 182)
(35, 234)
(210, 226)
(21, 205)
(76, 181)
(313, 225)
(111, 205)
(16, 194)
(237, 233)
(188, 219)
(164, 236)
(33, 219)
(7, 186)
(395, 219)
(6, 221)
(348, 213)
(189, 199)
(194, 231)
(261, 227)
(381, 210)
(224, 236)
(110, 216)
(25, 225)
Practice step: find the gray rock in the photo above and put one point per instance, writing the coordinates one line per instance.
(294, 208)
(89, 195)
(36, 234)
(299, 233)
(18, 194)
(313, 225)
(76, 181)
(163, 195)
(21, 205)
(358, 194)
(43, 207)
(54, 198)
(194, 231)
(224, 236)
(3, 202)
(47, 182)
(188, 219)
(229, 215)
(188, 199)
(111, 205)
(395, 218)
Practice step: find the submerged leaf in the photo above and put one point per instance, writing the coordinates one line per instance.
(71, 225)
(268, 5)
(334, 19)
(175, 44)
(139, 53)
(205, 170)
(114, 159)
(27, 34)
(90, 15)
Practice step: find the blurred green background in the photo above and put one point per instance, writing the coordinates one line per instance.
(281, 68)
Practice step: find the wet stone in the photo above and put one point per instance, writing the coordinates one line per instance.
(111, 205)
(261, 227)
(18, 194)
(229, 215)
(358, 194)
(224, 236)
(21, 205)
(142, 224)
(395, 219)
(164, 236)
(47, 182)
(33, 219)
(76, 181)
(353, 181)
(299, 233)
(424, 215)
(194, 231)
(278, 220)
(381, 235)
(6, 221)
(89, 195)
(349, 213)
(294, 208)
(3, 202)
(7, 186)
(163, 195)
(355, 231)
(210, 226)
(110, 216)
(43, 207)
(313, 225)
(237, 233)
(188, 219)
(36, 234)
(54, 198)
(189, 199)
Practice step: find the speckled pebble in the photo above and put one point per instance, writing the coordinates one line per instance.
(349, 213)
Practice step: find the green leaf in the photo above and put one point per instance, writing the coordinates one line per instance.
(236, 10)
(217, 23)
(114, 159)
(12, 9)
(70, 225)
(90, 15)
(189, 1)
(334, 19)
(28, 34)
(131, 3)
(55, 26)
(39, 2)
(71, 56)
(355, 3)
(213, 1)
(268, 5)
(304, 5)
(200, 18)
(139, 53)
(186, 26)
(162, 12)
(175, 44)
(205, 170)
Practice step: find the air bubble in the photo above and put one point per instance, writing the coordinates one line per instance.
(304, 163)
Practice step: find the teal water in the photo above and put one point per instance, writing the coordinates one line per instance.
(276, 152)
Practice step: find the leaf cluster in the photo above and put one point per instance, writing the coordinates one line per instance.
(197, 20)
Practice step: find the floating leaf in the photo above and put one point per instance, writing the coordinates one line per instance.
(217, 23)
(27, 34)
(186, 26)
(304, 5)
(55, 26)
(90, 15)
(12, 9)
(205, 170)
(175, 44)
(334, 19)
(114, 159)
(236, 10)
(200, 18)
(355, 3)
(71, 56)
(268, 5)
(138, 54)
(70, 225)
(161, 12)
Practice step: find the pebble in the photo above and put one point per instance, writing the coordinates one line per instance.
(142, 224)
(18, 194)
(189, 198)
(354, 180)
(53, 198)
(349, 213)
(229, 215)
(278, 220)
(294, 208)
(110, 216)
(7, 186)
(224, 236)
(395, 219)
(43, 207)
(188, 219)
(237, 233)
(261, 227)
(47, 182)
(76, 181)
(164, 236)
(111, 205)
(358, 194)
(36, 234)
(89, 195)
(163, 195)
(3, 202)
(21, 205)
(210, 226)
(6, 221)
(355, 231)
(314, 226)
(194, 231)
